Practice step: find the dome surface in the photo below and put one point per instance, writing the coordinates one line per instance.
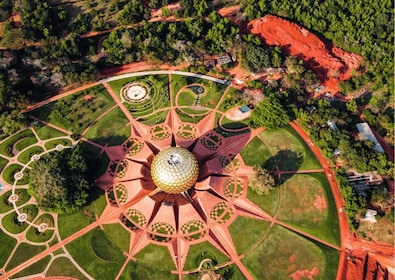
(174, 170)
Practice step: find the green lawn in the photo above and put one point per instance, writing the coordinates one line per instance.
(177, 82)
(269, 202)
(9, 172)
(75, 112)
(26, 155)
(103, 248)
(53, 143)
(139, 270)
(35, 236)
(186, 98)
(46, 132)
(156, 257)
(5, 206)
(25, 142)
(35, 268)
(284, 252)
(64, 267)
(256, 231)
(255, 153)
(7, 244)
(23, 253)
(112, 128)
(23, 197)
(297, 206)
(285, 145)
(3, 163)
(7, 145)
(201, 251)
(118, 236)
(71, 223)
(234, 97)
(89, 261)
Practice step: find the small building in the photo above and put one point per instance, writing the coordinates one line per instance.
(367, 133)
(362, 182)
(244, 109)
(224, 59)
(370, 216)
(332, 125)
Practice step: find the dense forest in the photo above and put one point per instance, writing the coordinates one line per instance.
(53, 46)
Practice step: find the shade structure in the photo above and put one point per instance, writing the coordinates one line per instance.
(174, 170)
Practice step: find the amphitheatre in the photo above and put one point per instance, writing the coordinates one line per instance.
(172, 198)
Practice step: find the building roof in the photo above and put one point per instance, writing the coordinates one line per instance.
(224, 59)
(174, 170)
(367, 133)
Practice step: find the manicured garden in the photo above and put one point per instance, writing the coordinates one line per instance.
(75, 112)
(111, 129)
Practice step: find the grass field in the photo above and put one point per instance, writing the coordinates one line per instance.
(64, 267)
(139, 270)
(75, 112)
(46, 132)
(286, 139)
(201, 251)
(103, 248)
(89, 261)
(7, 244)
(23, 253)
(300, 192)
(6, 147)
(255, 153)
(35, 268)
(53, 143)
(112, 128)
(156, 257)
(9, 172)
(269, 202)
(26, 155)
(23, 197)
(256, 231)
(3, 163)
(70, 223)
(283, 253)
(118, 235)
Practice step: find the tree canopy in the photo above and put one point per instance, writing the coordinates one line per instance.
(59, 181)
(269, 113)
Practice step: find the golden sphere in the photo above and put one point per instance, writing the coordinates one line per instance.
(174, 170)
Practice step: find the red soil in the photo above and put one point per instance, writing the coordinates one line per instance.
(331, 64)
(305, 274)
(320, 202)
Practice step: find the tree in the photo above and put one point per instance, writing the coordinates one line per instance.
(261, 181)
(269, 113)
(257, 57)
(59, 182)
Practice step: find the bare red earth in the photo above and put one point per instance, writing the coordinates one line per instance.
(331, 63)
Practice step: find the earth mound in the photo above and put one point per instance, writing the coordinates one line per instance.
(332, 64)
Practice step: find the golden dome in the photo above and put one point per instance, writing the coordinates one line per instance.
(174, 170)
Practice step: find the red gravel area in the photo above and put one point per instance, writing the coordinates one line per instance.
(331, 64)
